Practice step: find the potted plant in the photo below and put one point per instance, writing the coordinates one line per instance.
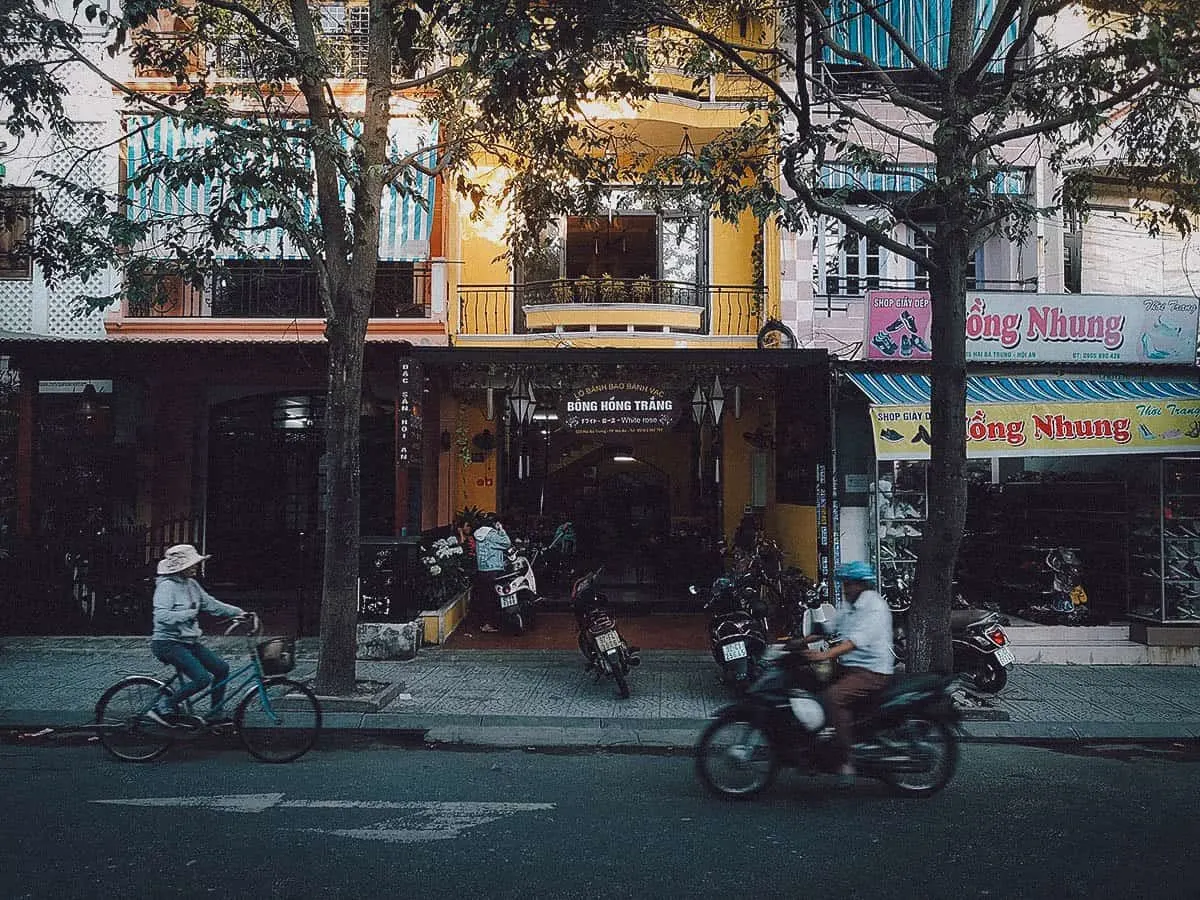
(642, 290)
(585, 289)
(611, 289)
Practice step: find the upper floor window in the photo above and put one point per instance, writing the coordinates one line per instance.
(921, 276)
(846, 263)
(16, 216)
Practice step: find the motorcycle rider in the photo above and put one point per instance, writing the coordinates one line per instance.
(863, 655)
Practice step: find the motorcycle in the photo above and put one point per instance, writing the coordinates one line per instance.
(905, 734)
(981, 649)
(557, 557)
(736, 635)
(516, 589)
(604, 650)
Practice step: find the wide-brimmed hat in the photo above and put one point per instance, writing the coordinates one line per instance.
(178, 558)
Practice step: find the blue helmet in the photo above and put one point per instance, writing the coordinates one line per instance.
(855, 571)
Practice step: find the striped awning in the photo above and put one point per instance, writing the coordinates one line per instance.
(406, 214)
(913, 390)
(907, 178)
(924, 25)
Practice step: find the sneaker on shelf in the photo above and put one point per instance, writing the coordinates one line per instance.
(909, 531)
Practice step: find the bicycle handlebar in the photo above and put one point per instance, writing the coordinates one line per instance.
(252, 618)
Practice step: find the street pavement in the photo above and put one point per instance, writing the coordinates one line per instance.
(543, 699)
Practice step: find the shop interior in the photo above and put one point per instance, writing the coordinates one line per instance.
(1133, 522)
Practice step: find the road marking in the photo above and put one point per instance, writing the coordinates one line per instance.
(427, 820)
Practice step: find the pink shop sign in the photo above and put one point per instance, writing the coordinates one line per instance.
(898, 325)
(1098, 328)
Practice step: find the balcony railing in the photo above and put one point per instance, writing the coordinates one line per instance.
(848, 295)
(280, 291)
(497, 309)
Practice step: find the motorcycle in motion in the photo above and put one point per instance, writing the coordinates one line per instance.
(904, 735)
(604, 650)
(516, 589)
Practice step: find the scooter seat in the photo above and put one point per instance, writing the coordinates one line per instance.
(962, 619)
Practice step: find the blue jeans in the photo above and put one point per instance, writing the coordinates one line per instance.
(198, 665)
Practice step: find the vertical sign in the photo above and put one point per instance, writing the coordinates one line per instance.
(408, 412)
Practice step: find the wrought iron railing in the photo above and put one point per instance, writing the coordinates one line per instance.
(279, 290)
(848, 294)
(500, 308)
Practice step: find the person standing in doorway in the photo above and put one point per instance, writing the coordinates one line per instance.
(490, 543)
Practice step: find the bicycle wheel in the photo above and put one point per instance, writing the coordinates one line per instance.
(122, 729)
(279, 720)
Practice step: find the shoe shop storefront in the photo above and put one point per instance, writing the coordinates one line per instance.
(1083, 489)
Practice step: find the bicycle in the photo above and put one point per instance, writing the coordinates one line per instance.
(277, 719)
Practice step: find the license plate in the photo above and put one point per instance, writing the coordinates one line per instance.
(735, 650)
(1004, 656)
(609, 640)
(506, 602)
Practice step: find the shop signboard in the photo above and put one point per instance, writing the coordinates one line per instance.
(409, 390)
(1047, 429)
(1024, 327)
(898, 325)
(1103, 328)
(619, 407)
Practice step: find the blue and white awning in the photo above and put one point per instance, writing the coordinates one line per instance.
(913, 390)
(406, 215)
(907, 178)
(923, 25)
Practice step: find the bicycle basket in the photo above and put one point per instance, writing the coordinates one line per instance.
(276, 655)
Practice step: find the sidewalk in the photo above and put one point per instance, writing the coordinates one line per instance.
(544, 699)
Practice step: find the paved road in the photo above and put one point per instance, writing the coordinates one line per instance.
(388, 822)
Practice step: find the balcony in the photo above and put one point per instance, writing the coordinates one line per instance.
(846, 296)
(265, 300)
(628, 305)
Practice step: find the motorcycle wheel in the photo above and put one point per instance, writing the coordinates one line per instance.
(735, 757)
(621, 675)
(984, 674)
(989, 677)
(927, 741)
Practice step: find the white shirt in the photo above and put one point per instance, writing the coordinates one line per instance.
(868, 623)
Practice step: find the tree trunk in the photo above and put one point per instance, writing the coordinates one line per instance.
(339, 590)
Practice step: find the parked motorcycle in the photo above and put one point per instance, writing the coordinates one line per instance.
(737, 637)
(905, 734)
(600, 642)
(558, 556)
(516, 589)
(982, 653)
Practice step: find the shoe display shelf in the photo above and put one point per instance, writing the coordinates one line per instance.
(1165, 547)
(898, 517)
(1090, 517)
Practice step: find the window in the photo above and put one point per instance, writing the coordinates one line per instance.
(921, 277)
(16, 216)
(846, 264)
(345, 27)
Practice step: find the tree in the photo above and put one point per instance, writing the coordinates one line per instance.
(1096, 87)
(503, 82)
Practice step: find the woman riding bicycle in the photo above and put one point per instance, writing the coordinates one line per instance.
(178, 599)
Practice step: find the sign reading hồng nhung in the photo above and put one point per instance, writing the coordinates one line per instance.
(1047, 429)
(1101, 328)
(1024, 327)
(619, 407)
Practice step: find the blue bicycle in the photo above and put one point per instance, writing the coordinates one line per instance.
(277, 719)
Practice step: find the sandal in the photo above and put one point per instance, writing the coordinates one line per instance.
(488, 629)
